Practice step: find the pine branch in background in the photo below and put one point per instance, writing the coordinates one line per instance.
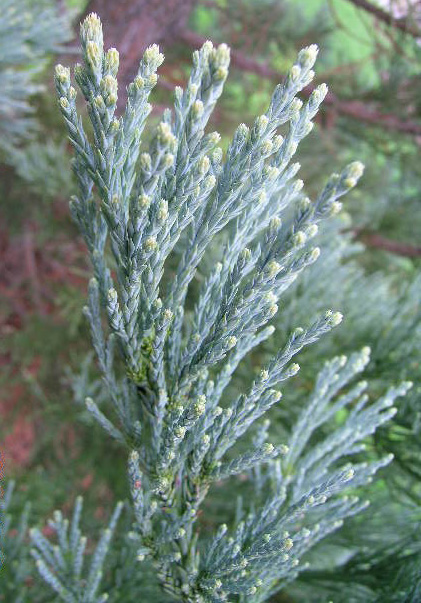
(167, 359)
(388, 569)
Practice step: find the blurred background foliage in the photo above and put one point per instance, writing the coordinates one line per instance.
(369, 269)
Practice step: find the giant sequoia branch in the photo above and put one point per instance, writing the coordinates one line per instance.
(183, 190)
(353, 109)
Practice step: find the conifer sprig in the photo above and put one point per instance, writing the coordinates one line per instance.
(149, 216)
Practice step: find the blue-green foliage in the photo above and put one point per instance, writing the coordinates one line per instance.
(149, 218)
(379, 311)
(62, 565)
(14, 562)
(30, 30)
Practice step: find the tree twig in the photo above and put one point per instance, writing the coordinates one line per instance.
(377, 241)
(403, 24)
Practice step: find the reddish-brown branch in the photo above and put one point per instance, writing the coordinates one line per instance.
(403, 24)
(372, 239)
(353, 109)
